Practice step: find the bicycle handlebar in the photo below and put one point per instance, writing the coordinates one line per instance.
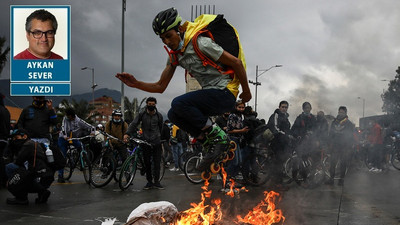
(139, 141)
(80, 138)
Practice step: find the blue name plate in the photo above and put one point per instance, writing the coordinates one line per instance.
(23, 70)
(40, 89)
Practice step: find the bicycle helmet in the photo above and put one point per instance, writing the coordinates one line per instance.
(117, 112)
(166, 20)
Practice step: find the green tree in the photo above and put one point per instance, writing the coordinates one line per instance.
(132, 108)
(391, 97)
(3, 54)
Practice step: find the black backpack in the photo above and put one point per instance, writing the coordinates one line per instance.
(224, 35)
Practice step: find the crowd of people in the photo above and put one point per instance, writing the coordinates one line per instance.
(309, 134)
(219, 73)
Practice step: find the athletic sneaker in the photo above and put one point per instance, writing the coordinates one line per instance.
(158, 186)
(148, 186)
(174, 169)
(16, 201)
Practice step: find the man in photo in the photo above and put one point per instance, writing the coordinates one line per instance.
(40, 27)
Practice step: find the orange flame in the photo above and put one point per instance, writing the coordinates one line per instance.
(200, 214)
(265, 212)
(197, 215)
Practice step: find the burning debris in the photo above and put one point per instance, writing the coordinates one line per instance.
(264, 212)
(165, 213)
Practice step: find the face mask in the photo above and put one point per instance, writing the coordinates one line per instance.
(16, 144)
(38, 103)
(116, 121)
(180, 45)
(151, 108)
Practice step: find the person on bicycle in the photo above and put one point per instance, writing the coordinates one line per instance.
(303, 129)
(341, 142)
(151, 124)
(72, 127)
(279, 125)
(191, 111)
(117, 127)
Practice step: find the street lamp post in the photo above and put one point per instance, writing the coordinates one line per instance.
(258, 83)
(363, 105)
(123, 56)
(93, 84)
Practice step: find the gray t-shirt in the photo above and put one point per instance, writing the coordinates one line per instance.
(207, 76)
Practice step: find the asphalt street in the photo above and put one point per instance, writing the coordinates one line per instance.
(366, 198)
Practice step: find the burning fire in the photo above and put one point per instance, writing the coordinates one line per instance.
(264, 212)
(197, 215)
(201, 214)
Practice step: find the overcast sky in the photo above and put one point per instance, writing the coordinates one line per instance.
(332, 51)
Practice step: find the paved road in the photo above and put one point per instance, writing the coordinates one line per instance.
(366, 198)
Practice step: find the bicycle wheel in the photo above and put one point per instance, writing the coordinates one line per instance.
(128, 172)
(396, 159)
(192, 173)
(118, 165)
(102, 170)
(326, 165)
(86, 166)
(260, 171)
(69, 168)
(287, 169)
(182, 159)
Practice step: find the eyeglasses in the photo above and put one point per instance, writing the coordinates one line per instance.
(37, 34)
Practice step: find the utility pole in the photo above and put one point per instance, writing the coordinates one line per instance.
(258, 83)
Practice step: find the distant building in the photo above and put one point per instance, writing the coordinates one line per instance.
(103, 108)
(14, 113)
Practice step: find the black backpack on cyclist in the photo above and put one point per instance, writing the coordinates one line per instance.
(59, 160)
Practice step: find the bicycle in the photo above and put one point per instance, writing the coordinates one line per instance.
(194, 149)
(259, 168)
(104, 167)
(194, 166)
(307, 170)
(135, 161)
(74, 156)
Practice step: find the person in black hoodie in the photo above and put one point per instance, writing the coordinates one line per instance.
(31, 156)
(303, 129)
(279, 125)
(341, 142)
(5, 127)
